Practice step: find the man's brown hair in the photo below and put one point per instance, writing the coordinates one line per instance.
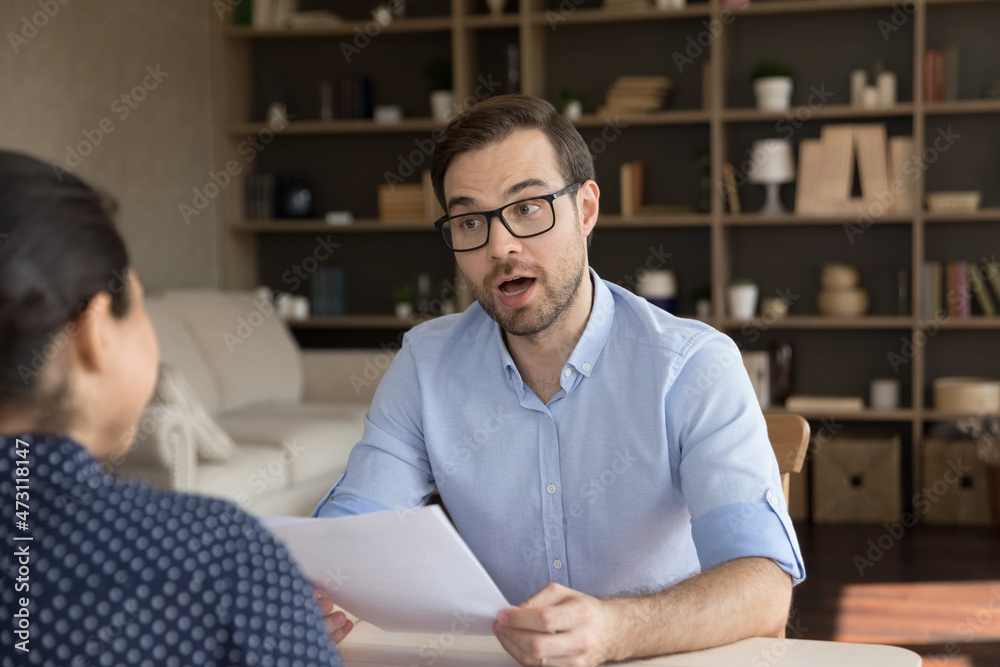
(495, 119)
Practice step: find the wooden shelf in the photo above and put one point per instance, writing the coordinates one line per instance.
(974, 322)
(982, 215)
(679, 220)
(791, 219)
(901, 415)
(822, 322)
(810, 6)
(489, 21)
(312, 225)
(753, 115)
(358, 322)
(583, 16)
(314, 127)
(669, 117)
(405, 25)
(940, 415)
(959, 107)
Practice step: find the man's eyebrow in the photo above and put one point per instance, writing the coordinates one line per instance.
(509, 193)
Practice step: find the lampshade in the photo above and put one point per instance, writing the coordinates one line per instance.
(771, 161)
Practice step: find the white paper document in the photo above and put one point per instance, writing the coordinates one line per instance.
(402, 571)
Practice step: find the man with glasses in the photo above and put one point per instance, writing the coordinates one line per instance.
(606, 462)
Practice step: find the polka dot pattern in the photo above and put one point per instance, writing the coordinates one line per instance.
(123, 573)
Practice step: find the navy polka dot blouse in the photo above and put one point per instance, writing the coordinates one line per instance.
(100, 571)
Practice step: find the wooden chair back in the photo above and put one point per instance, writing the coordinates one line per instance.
(789, 436)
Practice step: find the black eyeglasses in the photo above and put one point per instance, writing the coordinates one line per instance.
(523, 218)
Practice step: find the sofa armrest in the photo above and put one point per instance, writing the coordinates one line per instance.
(164, 440)
(343, 375)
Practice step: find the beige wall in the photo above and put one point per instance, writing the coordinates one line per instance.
(64, 81)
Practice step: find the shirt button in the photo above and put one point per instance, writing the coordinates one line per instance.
(557, 564)
(551, 488)
(586, 366)
(567, 372)
(773, 499)
(547, 416)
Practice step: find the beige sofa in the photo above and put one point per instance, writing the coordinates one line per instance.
(292, 415)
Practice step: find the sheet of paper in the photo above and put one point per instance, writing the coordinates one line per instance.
(402, 571)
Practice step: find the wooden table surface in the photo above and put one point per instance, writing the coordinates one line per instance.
(367, 646)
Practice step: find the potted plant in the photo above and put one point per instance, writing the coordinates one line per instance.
(772, 86)
(985, 430)
(570, 103)
(439, 77)
(402, 296)
(741, 297)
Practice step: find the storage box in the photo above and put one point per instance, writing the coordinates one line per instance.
(857, 480)
(954, 486)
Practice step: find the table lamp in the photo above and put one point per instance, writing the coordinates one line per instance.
(771, 165)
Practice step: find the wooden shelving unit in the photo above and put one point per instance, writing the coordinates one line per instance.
(560, 46)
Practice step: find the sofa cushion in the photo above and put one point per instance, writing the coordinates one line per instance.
(254, 469)
(173, 390)
(247, 346)
(309, 439)
(180, 349)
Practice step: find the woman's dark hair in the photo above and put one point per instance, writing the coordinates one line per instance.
(58, 249)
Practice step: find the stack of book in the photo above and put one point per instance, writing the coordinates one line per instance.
(949, 287)
(826, 172)
(259, 196)
(631, 185)
(636, 94)
(409, 202)
(940, 75)
(401, 203)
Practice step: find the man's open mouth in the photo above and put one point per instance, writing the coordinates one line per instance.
(516, 286)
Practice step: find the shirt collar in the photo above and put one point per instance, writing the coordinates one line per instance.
(588, 349)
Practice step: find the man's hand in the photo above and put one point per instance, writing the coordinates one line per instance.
(337, 623)
(560, 627)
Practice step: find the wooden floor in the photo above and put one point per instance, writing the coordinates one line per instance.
(933, 590)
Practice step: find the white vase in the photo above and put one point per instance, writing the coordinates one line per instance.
(742, 300)
(442, 105)
(773, 93)
(573, 110)
(496, 6)
(404, 310)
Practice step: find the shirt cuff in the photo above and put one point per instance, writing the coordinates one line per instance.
(747, 530)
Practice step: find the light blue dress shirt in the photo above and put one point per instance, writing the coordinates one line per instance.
(651, 464)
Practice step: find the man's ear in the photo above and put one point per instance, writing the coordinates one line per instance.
(588, 199)
(91, 340)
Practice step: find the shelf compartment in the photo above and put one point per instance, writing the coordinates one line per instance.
(423, 24)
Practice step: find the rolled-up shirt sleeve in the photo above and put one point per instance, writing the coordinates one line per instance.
(728, 473)
(388, 468)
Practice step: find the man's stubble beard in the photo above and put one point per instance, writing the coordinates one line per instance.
(533, 318)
